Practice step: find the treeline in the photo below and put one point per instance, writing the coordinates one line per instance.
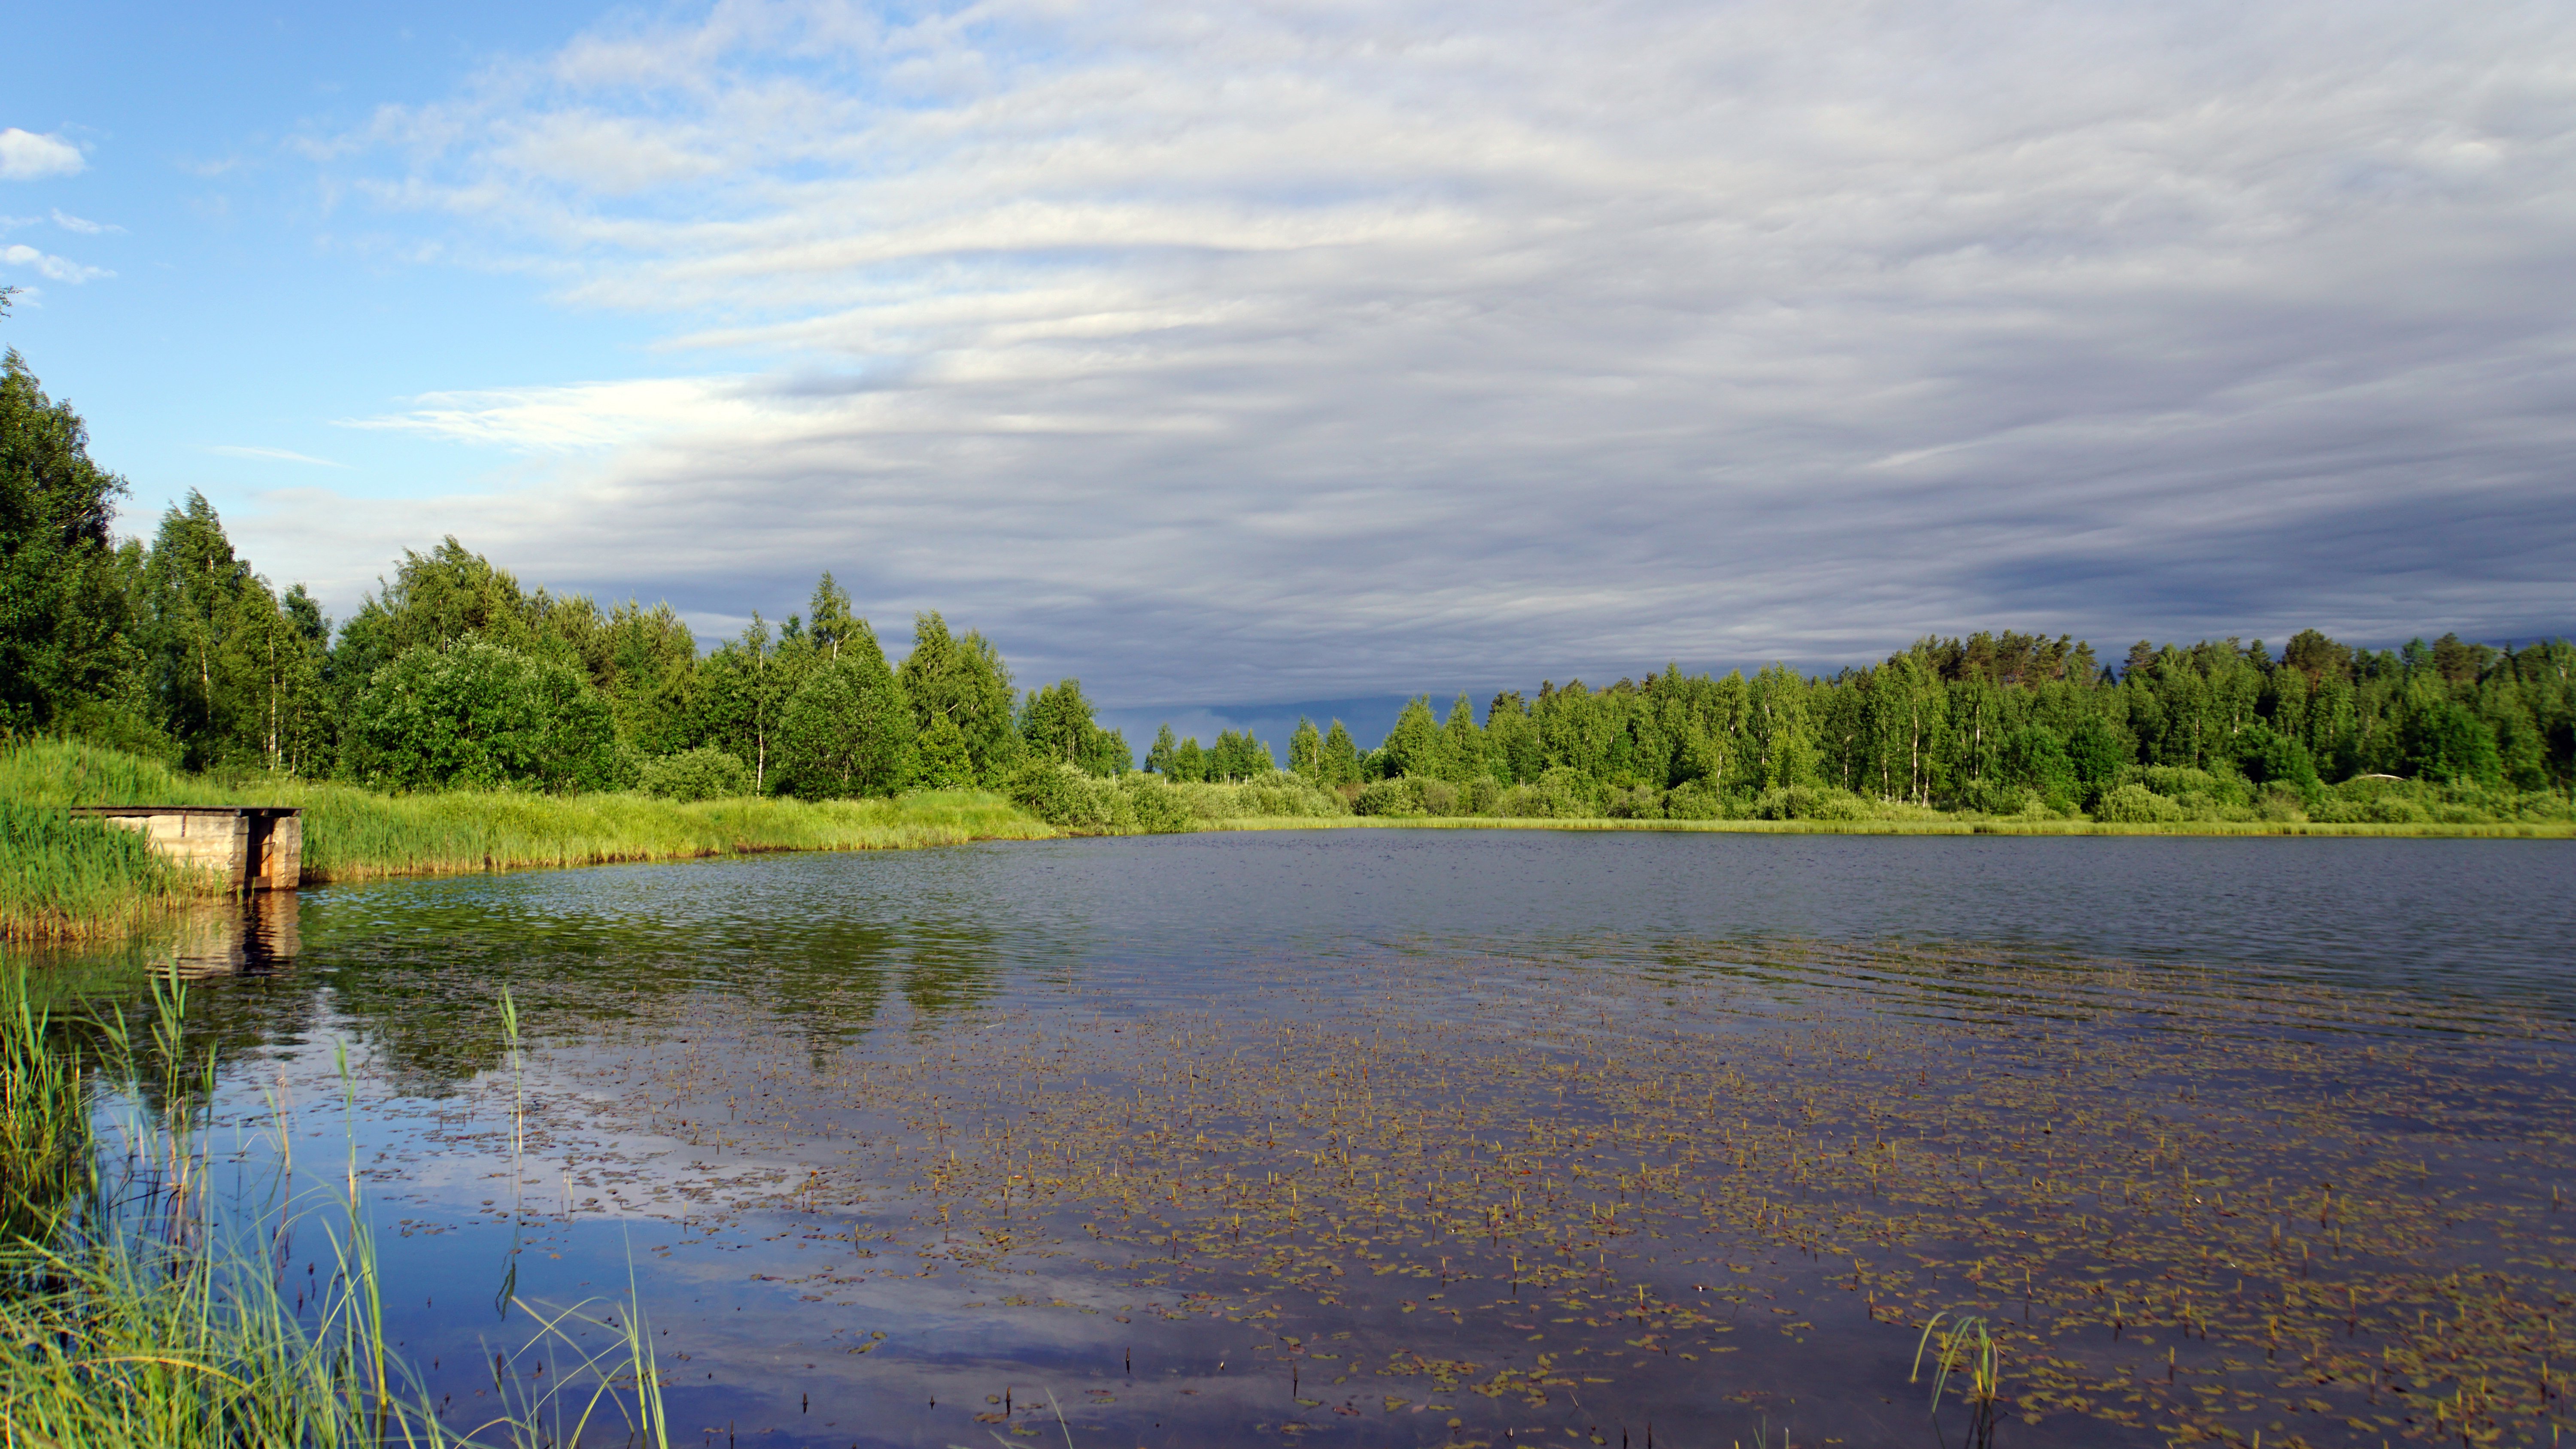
(453, 674)
(2006, 724)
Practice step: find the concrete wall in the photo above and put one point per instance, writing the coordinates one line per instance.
(243, 849)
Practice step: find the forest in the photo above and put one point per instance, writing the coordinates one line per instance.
(453, 675)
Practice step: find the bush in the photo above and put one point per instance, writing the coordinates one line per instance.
(1068, 799)
(699, 774)
(1159, 807)
(2135, 804)
(1389, 798)
(1809, 802)
(480, 716)
(1642, 803)
(1697, 801)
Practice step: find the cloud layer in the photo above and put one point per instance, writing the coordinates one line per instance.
(1276, 351)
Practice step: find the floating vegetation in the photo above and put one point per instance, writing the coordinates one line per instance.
(2099, 1203)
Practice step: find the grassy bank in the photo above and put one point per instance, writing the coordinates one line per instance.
(61, 877)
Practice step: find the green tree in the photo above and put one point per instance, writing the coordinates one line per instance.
(1239, 756)
(2443, 741)
(1461, 754)
(1305, 749)
(946, 763)
(1158, 759)
(847, 730)
(1056, 724)
(1341, 756)
(479, 715)
(1189, 762)
(1412, 747)
(1110, 755)
(964, 680)
(742, 691)
(67, 647)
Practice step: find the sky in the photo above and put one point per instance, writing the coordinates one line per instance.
(1241, 358)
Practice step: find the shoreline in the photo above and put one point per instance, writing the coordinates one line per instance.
(2425, 830)
(470, 834)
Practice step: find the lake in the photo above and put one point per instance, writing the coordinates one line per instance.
(1459, 1137)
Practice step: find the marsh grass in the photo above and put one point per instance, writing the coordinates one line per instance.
(44, 1135)
(61, 876)
(152, 1311)
(66, 878)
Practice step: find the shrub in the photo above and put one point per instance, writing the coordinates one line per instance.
(1696, 801)
(1159, 806)
(1389, 798)
(1809, 802)
(481, 716)
(1068, 799)
(2135, 804)
(1642, 803)
(699, 774)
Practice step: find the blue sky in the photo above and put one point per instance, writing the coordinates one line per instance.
(1238, 355)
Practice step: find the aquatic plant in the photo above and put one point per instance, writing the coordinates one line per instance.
(159, 1313)
(2167, 1199)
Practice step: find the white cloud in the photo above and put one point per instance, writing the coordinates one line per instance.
(48, 265)
(26, 156)
(1265, 351)
(270, 455)
(83, 225)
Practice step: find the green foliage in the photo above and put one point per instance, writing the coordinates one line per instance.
(2036, 760)
(965, 683)
(1070, 798)
(1238, 756)
(848, 729)
(1412, 747)
(2443, 740)
(1340, 759)
(1397, 799)
(2135, 804)
(1056, 724)
(1809, 802)
(478, 715)
(703, 773)
(66, 626)
(946, 762)
(1305, 749)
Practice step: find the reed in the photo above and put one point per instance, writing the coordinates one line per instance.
(44, 1134)
(64, 876)
(154, 1314)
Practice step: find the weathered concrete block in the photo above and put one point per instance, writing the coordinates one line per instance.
(250, 847)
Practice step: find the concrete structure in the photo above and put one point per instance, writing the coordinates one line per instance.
(252, 847)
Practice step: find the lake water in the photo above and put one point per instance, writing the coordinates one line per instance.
(1453, 1137)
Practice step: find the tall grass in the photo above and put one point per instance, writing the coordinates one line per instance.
(44, 1136)
(156, 1314)
(66, 877)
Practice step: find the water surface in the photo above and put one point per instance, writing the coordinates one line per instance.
(1465, 1137)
